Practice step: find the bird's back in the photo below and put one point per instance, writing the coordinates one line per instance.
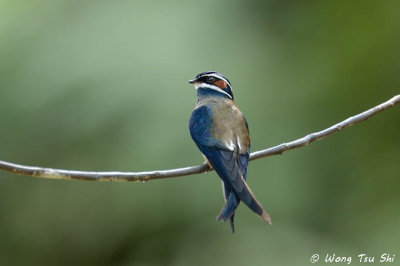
(222, 123)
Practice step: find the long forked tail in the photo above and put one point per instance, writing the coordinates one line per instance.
(231, 204)
(226, 166)
(228, 170)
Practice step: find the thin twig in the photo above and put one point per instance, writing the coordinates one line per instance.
(144, 176)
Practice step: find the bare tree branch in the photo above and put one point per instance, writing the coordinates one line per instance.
(144, 176)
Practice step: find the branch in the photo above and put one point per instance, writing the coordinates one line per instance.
(144, 176)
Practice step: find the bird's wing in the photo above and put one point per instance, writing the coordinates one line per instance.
(231, 200)
(243, 161)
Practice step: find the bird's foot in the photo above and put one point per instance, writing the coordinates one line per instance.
(208, 163)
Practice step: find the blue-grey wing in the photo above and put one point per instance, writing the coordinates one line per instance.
(231, 204)
(200, 124)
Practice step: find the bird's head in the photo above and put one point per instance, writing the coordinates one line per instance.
(213, 81)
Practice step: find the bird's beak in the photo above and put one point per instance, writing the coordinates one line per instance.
(192, 81)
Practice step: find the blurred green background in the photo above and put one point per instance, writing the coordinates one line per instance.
(101, 85)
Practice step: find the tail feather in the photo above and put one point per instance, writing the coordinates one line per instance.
(231, 203)
(229, 208)
(228, 212)
(231, 220)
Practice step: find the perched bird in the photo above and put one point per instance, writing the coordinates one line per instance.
(220, 131)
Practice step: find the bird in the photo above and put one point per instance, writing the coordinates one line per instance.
(221, 133)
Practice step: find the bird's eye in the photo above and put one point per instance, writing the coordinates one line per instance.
(210, 79)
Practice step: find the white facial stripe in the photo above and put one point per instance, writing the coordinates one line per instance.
(213, 87)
